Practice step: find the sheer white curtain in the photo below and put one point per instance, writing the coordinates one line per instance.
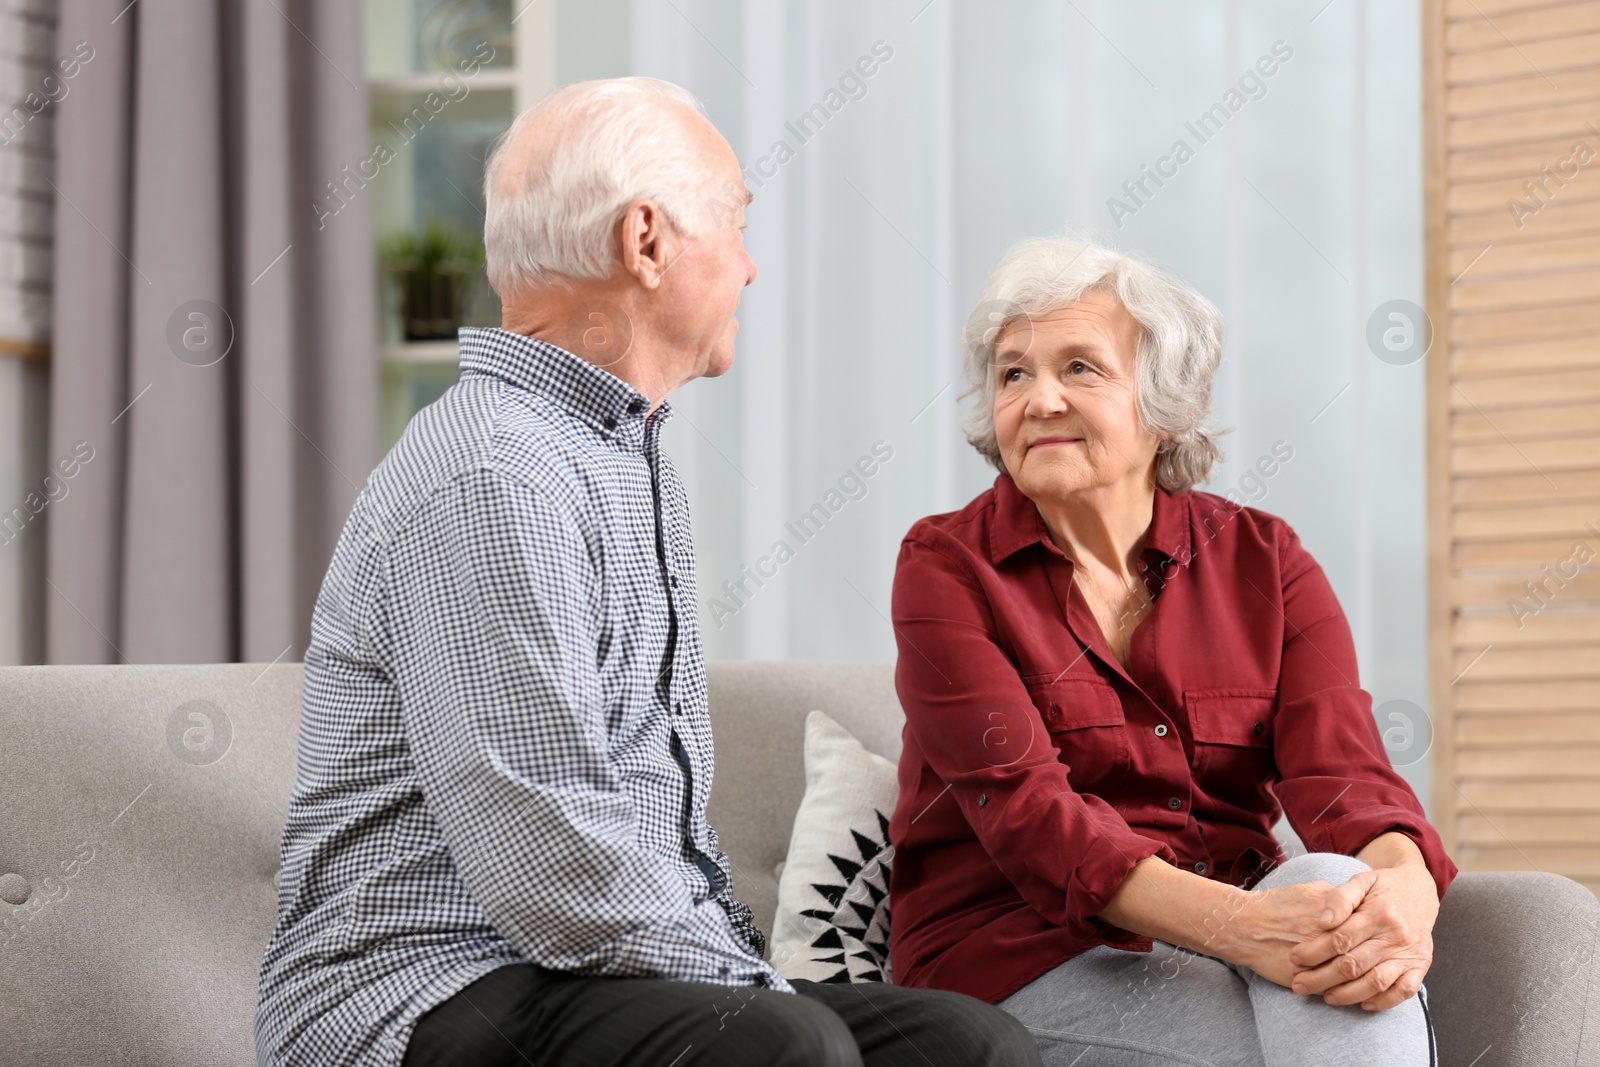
(1297, 209)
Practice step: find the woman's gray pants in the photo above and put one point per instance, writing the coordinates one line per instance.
(1112, 1008)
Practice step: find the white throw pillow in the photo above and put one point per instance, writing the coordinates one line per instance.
(832, 922)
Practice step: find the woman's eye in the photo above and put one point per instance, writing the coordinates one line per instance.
(1076, 364)
(1006, 375)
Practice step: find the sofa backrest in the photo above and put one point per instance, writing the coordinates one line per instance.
(758, 716)
(143, 808)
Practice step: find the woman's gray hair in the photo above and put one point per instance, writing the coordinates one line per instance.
(617, 145)
(1180, 344)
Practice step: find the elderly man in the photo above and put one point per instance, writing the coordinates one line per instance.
(497, 849)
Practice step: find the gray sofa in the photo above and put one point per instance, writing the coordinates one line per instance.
(139, 859)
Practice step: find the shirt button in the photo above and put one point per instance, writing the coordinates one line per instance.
(679, 707)
(1258, 728)
(1201, 868)
(1174, 803)
(1161, 730)
(983, 798)
(635, 406)
(674, 580)
(611, 424)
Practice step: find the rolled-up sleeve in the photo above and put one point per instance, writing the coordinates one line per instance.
(1338, 787)
(981, 735)
(493, 637)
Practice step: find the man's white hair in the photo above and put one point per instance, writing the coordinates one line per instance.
(1180, 344)
(615, 144)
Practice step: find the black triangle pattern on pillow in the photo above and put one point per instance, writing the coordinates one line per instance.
(856, 910)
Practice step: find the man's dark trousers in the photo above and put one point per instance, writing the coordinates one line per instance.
(523, 1014)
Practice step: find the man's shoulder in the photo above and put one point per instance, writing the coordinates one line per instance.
(481, 430)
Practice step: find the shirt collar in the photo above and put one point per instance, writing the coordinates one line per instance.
(1016, 523)
(613, 407)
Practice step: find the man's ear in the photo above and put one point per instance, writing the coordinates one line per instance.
(645, 251)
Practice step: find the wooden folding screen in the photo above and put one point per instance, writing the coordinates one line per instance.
(1512, 135)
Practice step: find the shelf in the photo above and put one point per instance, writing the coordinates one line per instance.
(31, 350)
(432, 352)
(412, 84)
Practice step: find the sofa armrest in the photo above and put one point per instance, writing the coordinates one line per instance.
(1513, 977)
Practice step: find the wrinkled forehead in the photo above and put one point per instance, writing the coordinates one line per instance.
(1096, 322)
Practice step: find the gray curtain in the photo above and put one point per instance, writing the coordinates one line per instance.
(191, 153)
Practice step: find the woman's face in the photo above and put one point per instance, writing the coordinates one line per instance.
(1064, 413)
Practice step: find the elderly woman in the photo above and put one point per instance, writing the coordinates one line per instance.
(1114, 684)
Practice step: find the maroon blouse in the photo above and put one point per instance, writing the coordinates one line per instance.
(1037, 770)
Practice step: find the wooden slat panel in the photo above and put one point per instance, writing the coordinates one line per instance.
(1513, 192)
(1490, 64)
(1522, 27)
(1558, 794)
(1523, 257)
(1502, 663)
(1510, 555)
(1552, 828)
(1467, 10)
(1572, 860)
(1551, 626)
(1493, 489)
(1554, 695)
(1496, 590)
(1576, 213)
(1496, 359)
(1526, 290)
(1499, 731)
(1540, 458)
(1573, 761)
(1511, 103)
(1521, 160)
(1515, 390)
(1493, 731)
(1525, 424)
(1530, 521)
(1575, 120)
(1559, 320)
(1525, 93)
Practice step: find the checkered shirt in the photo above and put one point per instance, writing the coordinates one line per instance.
(505, 744)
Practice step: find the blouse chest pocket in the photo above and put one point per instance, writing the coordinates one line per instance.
(1086, 724)
(1233, 739)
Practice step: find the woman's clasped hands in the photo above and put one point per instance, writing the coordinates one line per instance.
(1368, 941)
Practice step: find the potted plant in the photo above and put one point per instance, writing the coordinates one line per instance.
(435, 270)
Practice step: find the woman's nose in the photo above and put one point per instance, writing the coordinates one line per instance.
(1046, 400)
